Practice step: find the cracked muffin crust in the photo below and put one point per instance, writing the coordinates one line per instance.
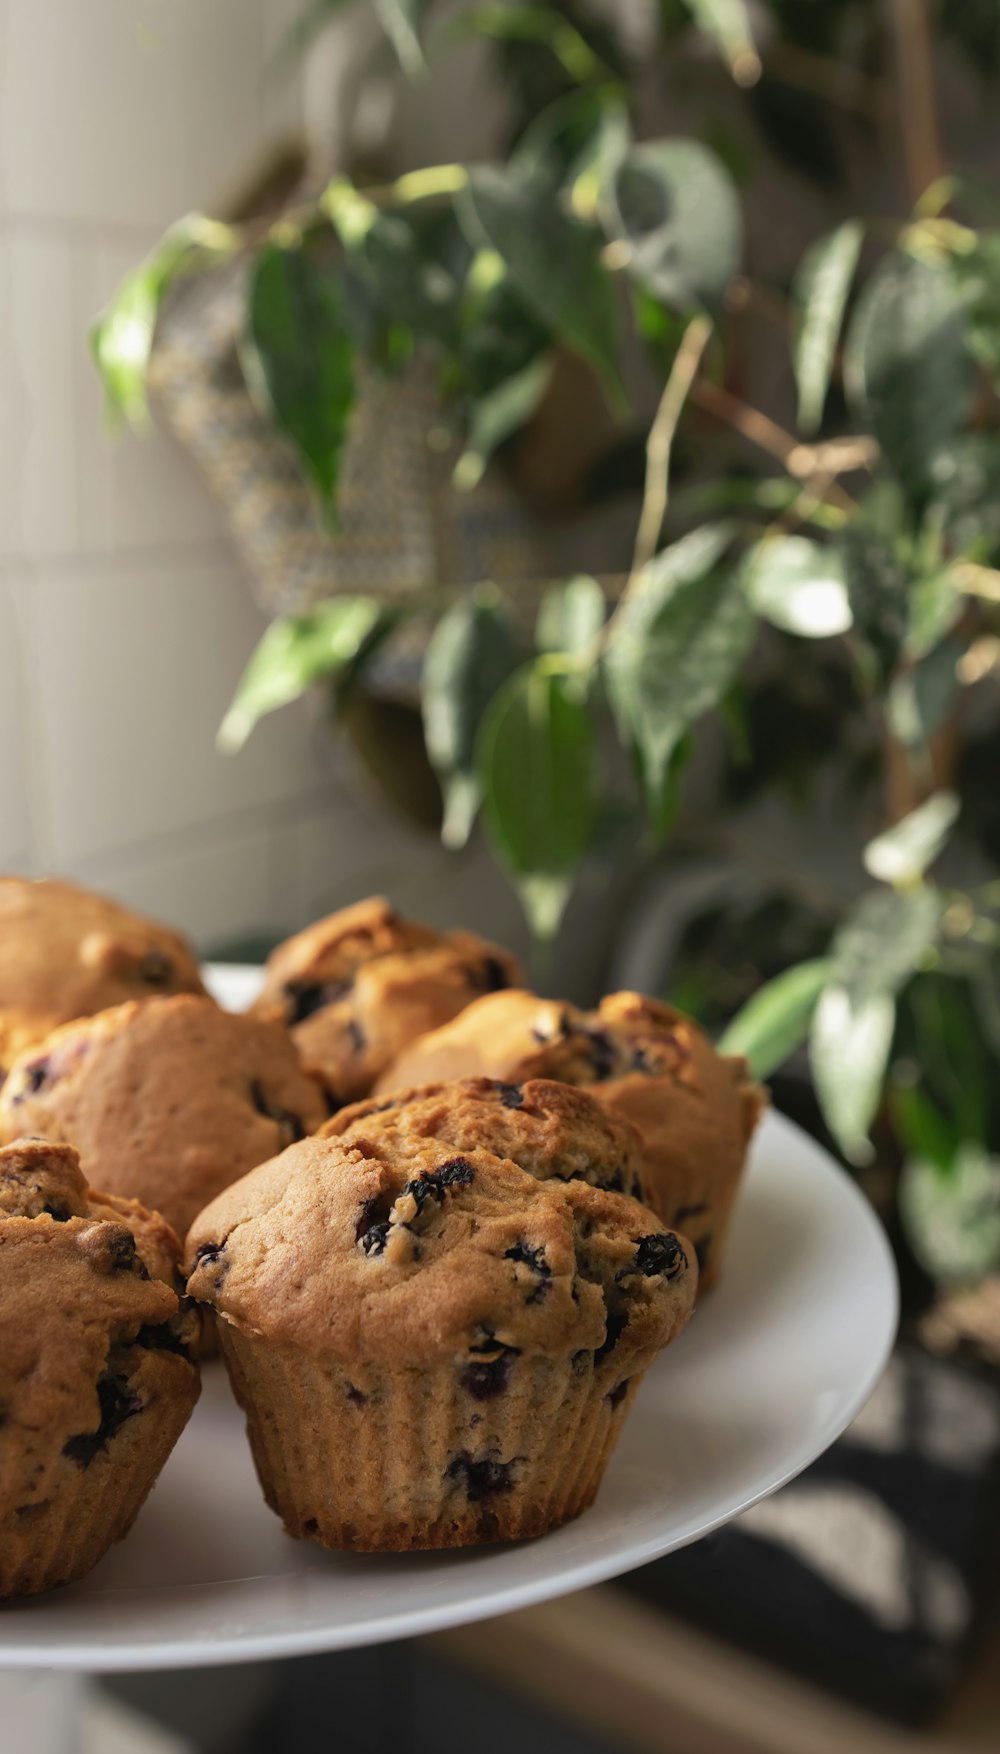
(66, 953)
(169, 1100)
(553, 1131)
(357, 987)
(433, 1351)
(695, 1109)
(97, 1371)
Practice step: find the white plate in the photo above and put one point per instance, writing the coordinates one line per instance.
(772, 1368)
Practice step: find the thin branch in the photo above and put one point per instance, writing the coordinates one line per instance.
(916, 104)
(800, 460)
(832, 80)
(661, 438)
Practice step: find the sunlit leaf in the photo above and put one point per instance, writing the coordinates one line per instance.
(675, 209)
(536, 760)
(552, 260)
(674, 647)
(775, 1021)
(887, 937)
(500, 413)
(799, 586)
(295, 652)
(819, 294)
(904, 852)
(952, 1217)
(470, 655)
(570, 616)
(544, 25)
(305, 355)
(122, 337)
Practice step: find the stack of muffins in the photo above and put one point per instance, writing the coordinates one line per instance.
(438, 1227)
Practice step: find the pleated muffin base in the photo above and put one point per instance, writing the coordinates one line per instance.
(412, 1459)
(61, 1537)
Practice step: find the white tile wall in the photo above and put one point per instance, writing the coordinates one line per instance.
(124, 619)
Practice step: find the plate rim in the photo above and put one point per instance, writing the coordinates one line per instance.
(278, 1643)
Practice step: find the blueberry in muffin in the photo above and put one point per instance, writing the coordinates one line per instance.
(695, 1109)
(357, 987)
(97, 1365)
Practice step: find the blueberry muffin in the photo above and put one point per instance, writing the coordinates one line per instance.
(356, 988)
(66, 953)
(695, 1109)
(168, 1100)
(433, 1348)
(553, 1131)
(97, 1371)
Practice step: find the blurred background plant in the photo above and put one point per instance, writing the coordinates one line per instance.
(786, 665)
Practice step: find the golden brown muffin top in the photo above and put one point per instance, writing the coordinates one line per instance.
(551, 1130)
(357, 987)
(80, 1287)
(169, 1100)
(65, 953)
(442, 1255)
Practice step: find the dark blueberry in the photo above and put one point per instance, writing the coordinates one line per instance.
(356, 1035)
(487, 1377)
(209, 1253)
(482, 1478)
(511, 1095)
(117, 1403)
(33, 1079)
(123, 1256)
(161, 1338)
(641, 1061)
(61, 1214)
(495, 975)
(156, 970)
(432, 1184)
(372, 1227)
(535, 1259)
(615, 1184)
(356, 1397)
(288, 1124)
(657, 1254)
(616, 1325)
(618, 1394)
(303, 998)
(581, 1359)
(602, 1053)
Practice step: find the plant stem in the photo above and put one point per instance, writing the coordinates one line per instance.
(800, 460)
(661, 438)
(916, 105)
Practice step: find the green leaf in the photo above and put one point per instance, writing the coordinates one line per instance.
(727, 22)
(570, 616)
(904, 852)
(529, 24)
(882, 943)
(552, 260)
(122, 337)
(305, 357)
(674, 646)
(952, 1218)
(921, 1127)
(402, 20)
(500, 413)
(921, 697)
(470, 655)
(977, 273)
(819, 295)
(906, 368)
(537, 769)
(799, 586)
(295, 652)
(934, 607)
(676, 209)
(775, 1021)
